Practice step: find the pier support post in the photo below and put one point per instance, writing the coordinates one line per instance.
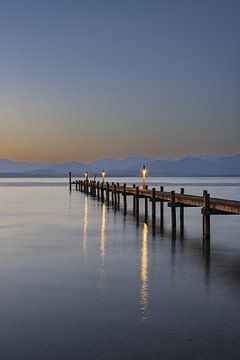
(153, 210)
(181, 216)
(173, 213)
(124, 200)
(102, 192)
(161, 212)
(206, 220)
(134, 201)
(146, 206)
(137, 204)
(112, 193)
(76, 185)
(98, 191)
(115, 197)
(118, 196)
(70, 181)
(107, 193)
(81, 186)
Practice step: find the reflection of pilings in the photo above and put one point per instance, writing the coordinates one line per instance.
(103, 226)
(85, 226)
(144, 273)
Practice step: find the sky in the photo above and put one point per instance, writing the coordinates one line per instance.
(85, 80)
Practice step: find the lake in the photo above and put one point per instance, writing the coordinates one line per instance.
(81, 281)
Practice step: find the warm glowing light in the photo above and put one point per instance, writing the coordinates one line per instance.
(103, 176)
(86, 175)
(144, 272)
(144, 174)
(85, 226)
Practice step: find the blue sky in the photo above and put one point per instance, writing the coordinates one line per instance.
(82, 80)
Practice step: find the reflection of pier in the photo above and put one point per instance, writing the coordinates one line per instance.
(103, 226)
(144, 272)
(85, 226)
(110, 194)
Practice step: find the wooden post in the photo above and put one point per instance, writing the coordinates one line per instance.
(107, 193)
(124, 200)
(70, 180)
(137, 204)
(102, 192)
(146, 206)
(153, 210)
(173, 212)
(94, 189)
(81, 185)
(112, 193)
(98, 191)
(115, 197)
(181, 216)
(161, 212)
(206, 217)
(134, 201)
(76, 185)
(118, 197)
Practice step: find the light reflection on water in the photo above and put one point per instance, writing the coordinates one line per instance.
(144, 273)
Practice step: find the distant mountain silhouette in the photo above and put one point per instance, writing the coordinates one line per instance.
(130, 166)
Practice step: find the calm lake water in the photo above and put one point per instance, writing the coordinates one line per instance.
(80, 281)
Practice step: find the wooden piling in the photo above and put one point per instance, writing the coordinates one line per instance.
(98, 191)
(118, 197)
(115, 197)
(181, 216)
(107, 193)
(102, 192)
(153, 210)
(70, 180)
(206, 216)
(173, 212)
(161, 212)
(124, 200)
(137, 204)
(112, 194)
(134, 200)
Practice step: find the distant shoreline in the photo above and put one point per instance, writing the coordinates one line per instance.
(27, 176)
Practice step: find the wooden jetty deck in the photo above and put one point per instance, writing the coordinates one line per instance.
(110, 193)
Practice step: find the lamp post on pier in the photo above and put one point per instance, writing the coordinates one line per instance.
(144, 174)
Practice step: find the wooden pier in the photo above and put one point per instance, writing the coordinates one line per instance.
(111, 195)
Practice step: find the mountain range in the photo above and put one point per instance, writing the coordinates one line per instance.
(130, 166)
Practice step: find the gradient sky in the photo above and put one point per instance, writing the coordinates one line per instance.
(83, 80)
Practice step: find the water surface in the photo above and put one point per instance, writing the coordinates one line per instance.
(80, 281)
